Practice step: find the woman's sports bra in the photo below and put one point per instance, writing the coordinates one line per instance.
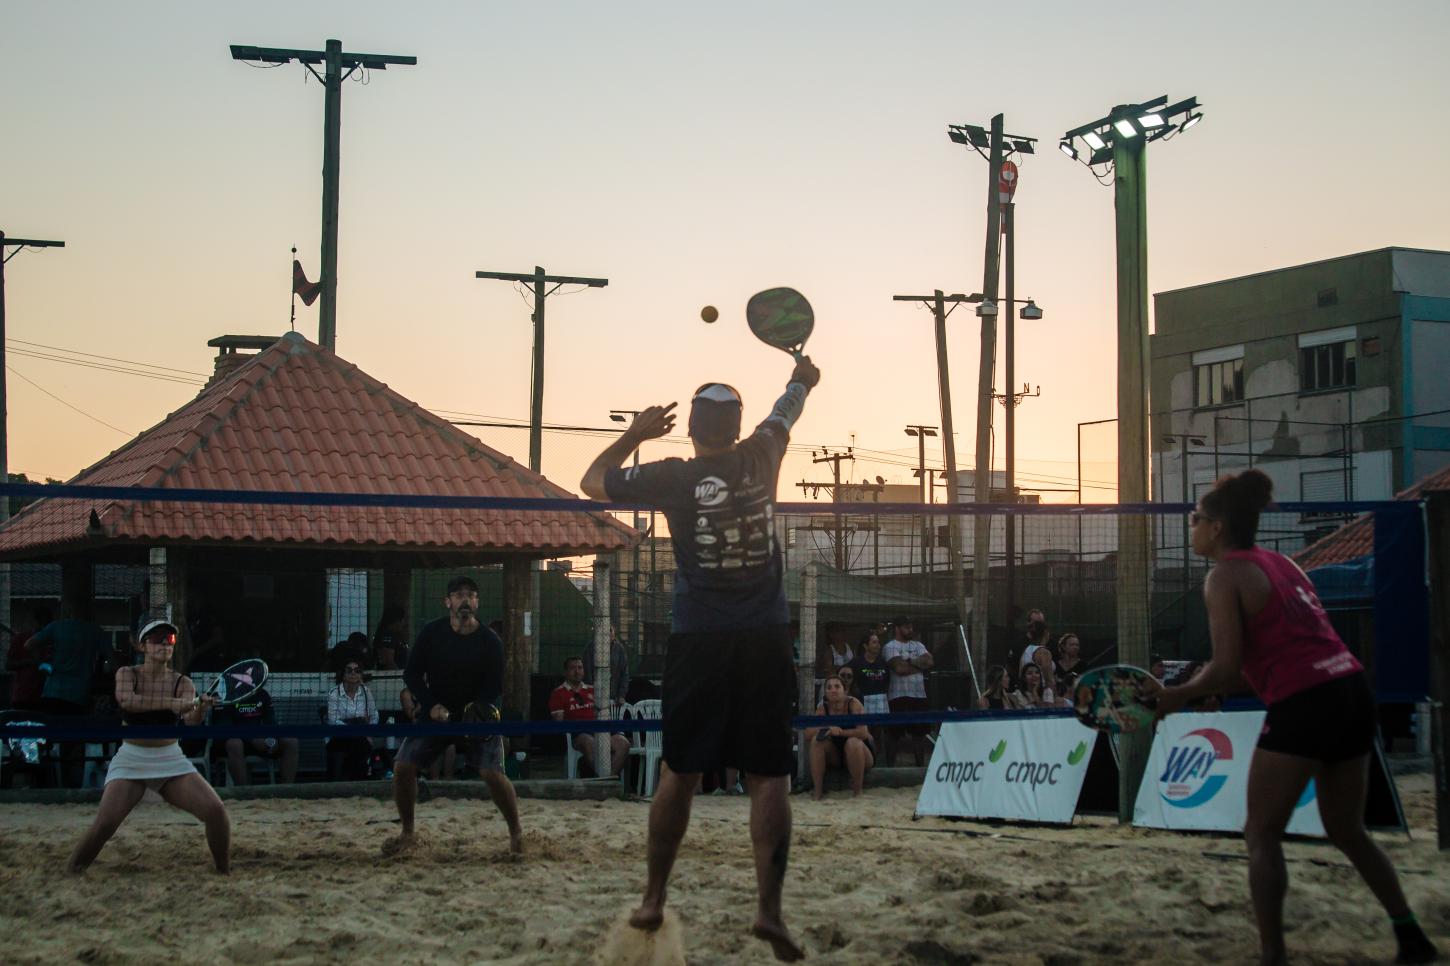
(158, 717)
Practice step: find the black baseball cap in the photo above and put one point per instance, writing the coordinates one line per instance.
(461, 582)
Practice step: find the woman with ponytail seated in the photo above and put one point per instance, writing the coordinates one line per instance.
(1267, 625)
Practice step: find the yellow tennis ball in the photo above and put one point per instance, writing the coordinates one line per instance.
(709, 313)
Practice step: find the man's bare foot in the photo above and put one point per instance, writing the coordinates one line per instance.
(817, 795)
(786, 949)
(516, 844)
(647, 917)
(406, 843)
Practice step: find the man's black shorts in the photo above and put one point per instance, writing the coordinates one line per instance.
(728, 700)
(1330, 722)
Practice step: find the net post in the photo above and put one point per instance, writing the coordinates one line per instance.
(602, 672)
(805, 662)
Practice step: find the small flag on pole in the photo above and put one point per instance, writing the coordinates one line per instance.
(308, 291)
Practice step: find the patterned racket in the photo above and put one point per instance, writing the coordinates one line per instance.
(781, 317)
(1110, 699)
(239, 682)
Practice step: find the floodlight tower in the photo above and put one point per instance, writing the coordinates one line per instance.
(1118, 141)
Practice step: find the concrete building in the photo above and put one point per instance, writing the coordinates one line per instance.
(1329, 376)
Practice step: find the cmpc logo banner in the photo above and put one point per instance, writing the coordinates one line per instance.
(1022, 768)
(1198, 772)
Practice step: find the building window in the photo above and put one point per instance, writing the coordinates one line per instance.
(1329, 366)
(1217, 383)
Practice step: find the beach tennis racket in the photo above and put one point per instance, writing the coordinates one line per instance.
(1111, 699)
(238, 682)
(781, 317)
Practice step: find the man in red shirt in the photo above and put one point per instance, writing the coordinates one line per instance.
(574, 701)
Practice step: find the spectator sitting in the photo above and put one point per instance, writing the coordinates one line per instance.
(1030, 693)
(909, 660)
(872, 677)
(390, 643)
(23, 661)
(448, 761)
(997, 696)
(574, 701)
(618, 668)
(355, 648)
(835, 746)
(256, 710)
(1069, 659)
(1053, 695)
(350, 703)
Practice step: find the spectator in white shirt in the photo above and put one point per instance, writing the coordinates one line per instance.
(350, 703)
(909, 661)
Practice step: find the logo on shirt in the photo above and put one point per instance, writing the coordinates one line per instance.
(711, 491)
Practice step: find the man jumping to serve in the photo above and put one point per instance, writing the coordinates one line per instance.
(730, 684)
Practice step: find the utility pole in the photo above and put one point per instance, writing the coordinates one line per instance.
(538, 279)
(839, 538)
(939, 303)
(19, 244)
(334, 59)
(921, 433)
(1121, 139)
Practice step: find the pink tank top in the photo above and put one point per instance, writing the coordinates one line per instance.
(1289, 646)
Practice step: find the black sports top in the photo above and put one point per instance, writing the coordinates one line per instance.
(160, 716)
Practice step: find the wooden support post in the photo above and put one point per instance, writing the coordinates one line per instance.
(1438, 518)
(520, 627)
(806, 663)
(603, 618)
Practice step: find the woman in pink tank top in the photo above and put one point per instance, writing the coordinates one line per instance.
(1269, 629)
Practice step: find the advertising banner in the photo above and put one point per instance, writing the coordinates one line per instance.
(1198, 772)
(1021, 767)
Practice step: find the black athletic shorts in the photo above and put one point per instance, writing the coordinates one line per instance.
(728, 700)
(1330, 722)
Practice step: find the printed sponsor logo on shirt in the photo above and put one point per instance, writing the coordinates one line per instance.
(711, 491)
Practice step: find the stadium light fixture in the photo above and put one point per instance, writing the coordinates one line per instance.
(1191, 120)
(1151, 119)
(1126, 127)
(1094, 140)
(1031, 312)
(1066, 148)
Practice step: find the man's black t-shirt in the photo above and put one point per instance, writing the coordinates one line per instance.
(453, 669)
(254, 709)
(872, 677)
(720, 509)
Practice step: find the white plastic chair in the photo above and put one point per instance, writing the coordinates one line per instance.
(648, 744)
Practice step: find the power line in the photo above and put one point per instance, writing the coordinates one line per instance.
(52, 395)
(129, 362)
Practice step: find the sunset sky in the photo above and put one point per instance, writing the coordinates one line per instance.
(692, 154)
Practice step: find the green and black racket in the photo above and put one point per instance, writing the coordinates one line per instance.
(1111, 699)
(781, 317)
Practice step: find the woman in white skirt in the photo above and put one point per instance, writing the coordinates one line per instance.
(153, 694)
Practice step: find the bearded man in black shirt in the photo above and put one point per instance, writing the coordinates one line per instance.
(455, 673)
(730, 684)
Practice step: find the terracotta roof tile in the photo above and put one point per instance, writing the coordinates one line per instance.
(1356, 538)
(296, 417)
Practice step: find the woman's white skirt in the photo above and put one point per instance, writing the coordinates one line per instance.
(154, 766)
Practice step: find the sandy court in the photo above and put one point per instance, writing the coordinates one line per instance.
(867, 885)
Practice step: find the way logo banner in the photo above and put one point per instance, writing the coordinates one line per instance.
(1023, 768)
(1198, 773)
